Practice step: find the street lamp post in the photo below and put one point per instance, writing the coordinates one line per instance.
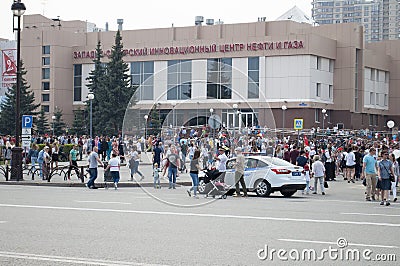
(211, 113)
(323, 119)
(284, 107)
(235, 108)
(173, 119)
(54, 123)
(145, 126)
(18, 10)
(90, 97)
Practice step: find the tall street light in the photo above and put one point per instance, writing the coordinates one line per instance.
(54, 123)
(323, 119)
(235, 108)
(284, 108)
(211, 113)
(145, 126)
(18, 10)
(90, 97)
(173, 119)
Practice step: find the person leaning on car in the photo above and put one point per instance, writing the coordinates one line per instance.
(239, 172)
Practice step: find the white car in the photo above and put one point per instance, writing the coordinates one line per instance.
(265, 175)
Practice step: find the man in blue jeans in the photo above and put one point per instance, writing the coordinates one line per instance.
(173, 160)
(93, 159)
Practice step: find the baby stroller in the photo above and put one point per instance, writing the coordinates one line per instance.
(214, 184)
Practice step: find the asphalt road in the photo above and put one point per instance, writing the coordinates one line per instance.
(143, 226)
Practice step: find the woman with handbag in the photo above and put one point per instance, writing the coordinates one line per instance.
(385, 170)
(396, 170)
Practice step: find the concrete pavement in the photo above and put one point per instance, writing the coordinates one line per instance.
(132, 226)
(58, 179)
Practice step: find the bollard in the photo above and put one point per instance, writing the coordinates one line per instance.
(7, 172)
(82, 175)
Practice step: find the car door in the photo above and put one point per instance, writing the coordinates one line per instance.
(230, 173)
(260, 172)
(249, 171)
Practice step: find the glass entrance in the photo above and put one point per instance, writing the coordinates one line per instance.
(246, 119)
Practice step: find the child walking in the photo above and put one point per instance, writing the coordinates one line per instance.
(156, 175)
(307, 177)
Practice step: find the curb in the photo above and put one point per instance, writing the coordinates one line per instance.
(98, 184)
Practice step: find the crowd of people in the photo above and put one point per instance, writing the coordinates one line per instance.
(375, 162)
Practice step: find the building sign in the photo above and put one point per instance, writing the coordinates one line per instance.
(199, 49)
(8, 66)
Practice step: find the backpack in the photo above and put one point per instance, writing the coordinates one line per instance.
(41, 157)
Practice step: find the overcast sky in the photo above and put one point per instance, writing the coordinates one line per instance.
(142, 14)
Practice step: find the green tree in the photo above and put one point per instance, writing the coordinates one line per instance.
(112, 89)
(42, 124)
(154, 122)
(59, 124)
(8, 106)
(97, 86)
(78, 125)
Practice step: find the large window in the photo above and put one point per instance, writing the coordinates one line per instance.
(318, 90)
(77, 83)
(45, 85)
(142, 76)
(45, 61)
(45, 73)
(371, 98)
(179, 80)
(253, 77)
(45, 97)
(46, 108)
(319, 63)
(46, 49)
(219, 78)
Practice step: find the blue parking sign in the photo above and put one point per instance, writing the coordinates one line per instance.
(27, 121)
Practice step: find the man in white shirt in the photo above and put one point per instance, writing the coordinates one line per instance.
(318, 172)
(114, 166)
(350, 165)
(222, 158)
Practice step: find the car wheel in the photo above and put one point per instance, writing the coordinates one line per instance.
(288, 193)
(263, 189)
(201, 187)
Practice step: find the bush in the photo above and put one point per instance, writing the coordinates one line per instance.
(62, 148)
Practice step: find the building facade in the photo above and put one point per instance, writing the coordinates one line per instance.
(380, 18)
(244, 72)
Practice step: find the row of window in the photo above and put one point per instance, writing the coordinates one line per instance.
(45, 78)
(378, 75)
(375, 99)
(179, 79)
(320, 65)
(318, 90)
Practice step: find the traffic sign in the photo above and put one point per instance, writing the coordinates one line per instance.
(26, 137)
(26, 143)
(26, 131)
(214, 121)
(27, 121)
(298, 123)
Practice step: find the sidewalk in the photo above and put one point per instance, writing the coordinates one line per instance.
(125, 179)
